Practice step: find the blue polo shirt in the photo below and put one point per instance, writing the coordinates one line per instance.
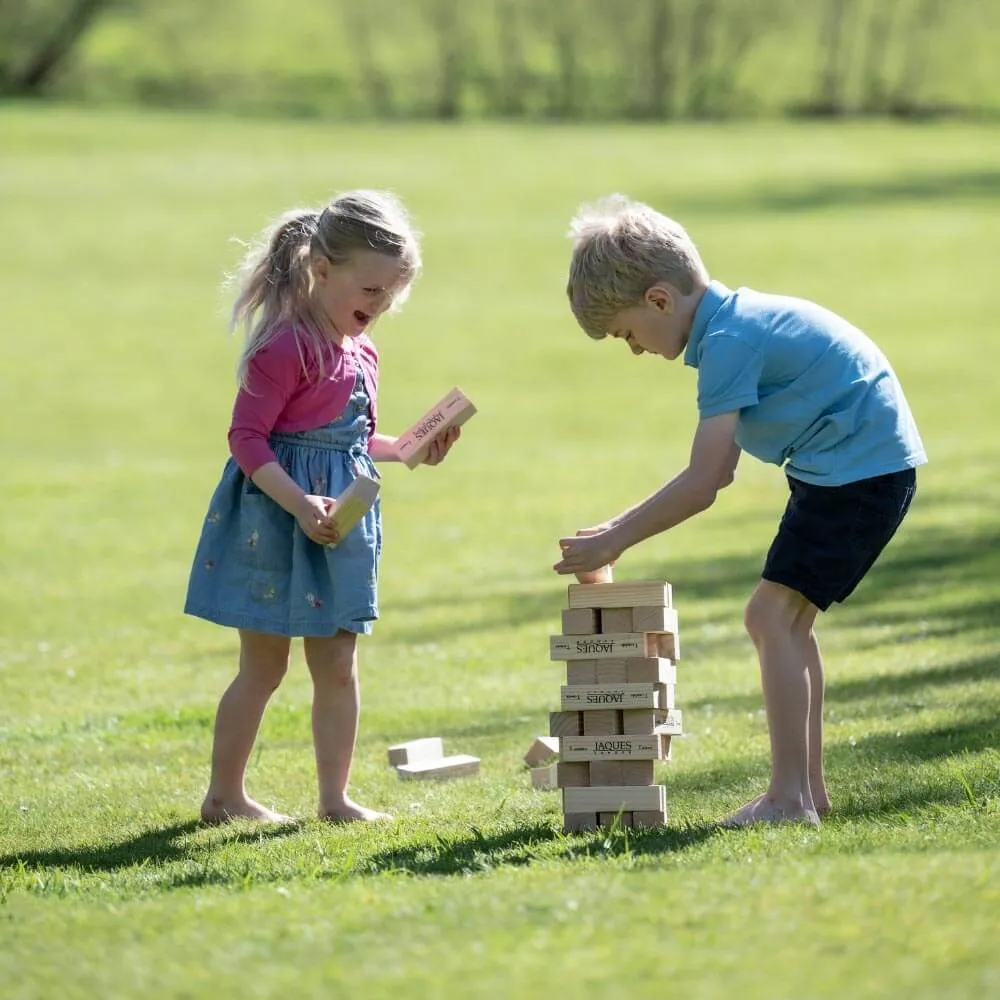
(814, 393)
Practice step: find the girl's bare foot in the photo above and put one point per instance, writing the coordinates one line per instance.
(215, 810)
(350, 812)
(765, 809)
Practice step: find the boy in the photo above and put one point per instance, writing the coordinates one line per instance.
(792, 384)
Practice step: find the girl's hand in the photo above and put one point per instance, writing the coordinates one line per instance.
(440, 446)
(313, 519)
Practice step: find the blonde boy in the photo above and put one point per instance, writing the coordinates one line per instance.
(792, 384)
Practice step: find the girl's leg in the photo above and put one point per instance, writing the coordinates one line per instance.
(263, 662)
(333, 664)
(780, 622)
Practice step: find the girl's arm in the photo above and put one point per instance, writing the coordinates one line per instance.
(382, 448)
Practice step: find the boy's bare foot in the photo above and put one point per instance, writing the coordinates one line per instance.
(350, 812)
(765, 809)
(215, 811)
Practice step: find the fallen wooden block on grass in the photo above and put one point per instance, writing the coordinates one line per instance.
(416, 751)
(542, 751)
(457, 766)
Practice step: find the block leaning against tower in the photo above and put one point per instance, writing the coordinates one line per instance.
(620, 644)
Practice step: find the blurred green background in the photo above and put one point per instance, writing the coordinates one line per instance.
(802, 164)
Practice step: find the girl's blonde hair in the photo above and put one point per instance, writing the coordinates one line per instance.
(274, 281)
(621, 248)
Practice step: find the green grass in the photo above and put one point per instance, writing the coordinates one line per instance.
(117, 385)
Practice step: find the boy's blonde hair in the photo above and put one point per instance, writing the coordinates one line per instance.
(621, 248)
(274, 281)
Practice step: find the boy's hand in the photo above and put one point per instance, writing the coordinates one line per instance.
(590, 549)
(314, 519)
(441, 445)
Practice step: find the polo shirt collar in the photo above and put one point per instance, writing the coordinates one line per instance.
(714, 296)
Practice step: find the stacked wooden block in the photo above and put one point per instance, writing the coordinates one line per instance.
(620, 643)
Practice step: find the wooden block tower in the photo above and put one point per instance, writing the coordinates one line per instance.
(620, 643)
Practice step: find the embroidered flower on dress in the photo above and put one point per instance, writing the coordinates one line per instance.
(319, 484)
(313, 601)
(253, 539)
(269, 594)
(209, 564)
(214, 517)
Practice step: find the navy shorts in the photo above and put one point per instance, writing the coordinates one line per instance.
(830, 536)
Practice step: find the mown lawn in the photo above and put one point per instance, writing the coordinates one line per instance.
(117, 385)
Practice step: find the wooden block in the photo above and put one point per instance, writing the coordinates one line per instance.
(615, 620)
(542, 750)
(545, 779)
(663, 622)
(416, 751)
(561, 775)
(653, 620)
(603, 574)
(352, 505)
(656, 670)
(646, 721)
(669, 646)
(635, 670)
(639, 746)
(581, 672)
(622, 820)
(604, 722)
(572, 775)
(579, 822)
(621, 772)
(614, 645)
(647, 817)
(666, 693)
(565, 723)
(453, 411)
(611, 671)
(457, 766)
(611, 798)
(633, 594)
(580, 697)
(580, 621)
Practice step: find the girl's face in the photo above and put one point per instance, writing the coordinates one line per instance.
(354, 293)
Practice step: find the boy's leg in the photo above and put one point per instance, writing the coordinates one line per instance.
(817, 780)
(780, 622)
(263, 662)
(336, 708)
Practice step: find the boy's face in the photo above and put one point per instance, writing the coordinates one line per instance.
(660, 324)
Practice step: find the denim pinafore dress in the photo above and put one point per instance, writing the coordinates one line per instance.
(254, 567)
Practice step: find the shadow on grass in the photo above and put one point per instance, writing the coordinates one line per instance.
(158, 846)
(524, 845)
(893, 685)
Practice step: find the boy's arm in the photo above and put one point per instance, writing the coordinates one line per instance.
(712, 466)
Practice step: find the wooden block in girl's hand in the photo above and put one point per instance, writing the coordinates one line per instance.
(452, 411)
(353, 504)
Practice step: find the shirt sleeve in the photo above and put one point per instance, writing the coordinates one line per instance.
(728, 375)
(272, 377)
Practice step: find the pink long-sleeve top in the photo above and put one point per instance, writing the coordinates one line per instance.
(283, 395)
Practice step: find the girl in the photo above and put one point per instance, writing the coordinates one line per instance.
(303, 427)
